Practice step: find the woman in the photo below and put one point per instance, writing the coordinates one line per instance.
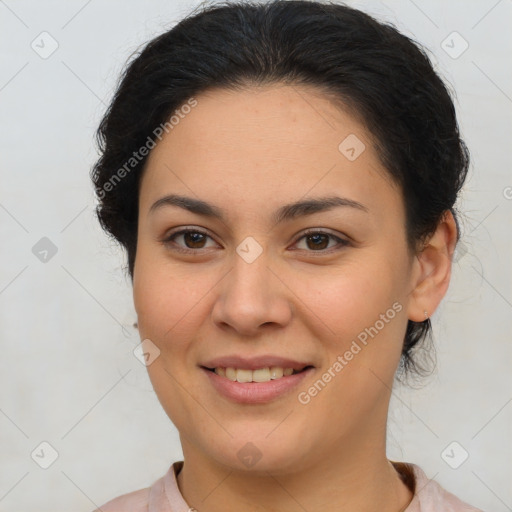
(283, 178)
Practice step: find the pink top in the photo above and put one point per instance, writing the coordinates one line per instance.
(165, 496)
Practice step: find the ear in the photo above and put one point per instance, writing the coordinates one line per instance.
(432, 270)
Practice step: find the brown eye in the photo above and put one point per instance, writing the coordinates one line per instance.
(318, 241)
(193, 240)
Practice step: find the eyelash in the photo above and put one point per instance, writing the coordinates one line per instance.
(169, 241)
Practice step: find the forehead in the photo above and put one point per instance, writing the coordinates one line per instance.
(263, 143)
(281, 118)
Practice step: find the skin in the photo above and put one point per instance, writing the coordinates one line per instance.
(249, 152)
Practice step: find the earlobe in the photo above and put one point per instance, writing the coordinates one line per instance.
(432, 270)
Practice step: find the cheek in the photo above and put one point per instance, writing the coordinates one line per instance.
(168, 299)
(348, 297)
(364, 323)
(357, 311)
(170, 305)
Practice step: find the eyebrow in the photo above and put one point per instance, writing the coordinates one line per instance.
(284, 213)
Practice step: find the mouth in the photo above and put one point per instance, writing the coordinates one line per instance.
(256, 386)
(264, 374)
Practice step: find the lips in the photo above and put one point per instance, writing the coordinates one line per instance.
(256, 379)
(255, 363)
(256, 392)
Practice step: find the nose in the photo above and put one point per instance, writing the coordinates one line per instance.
(252, 296)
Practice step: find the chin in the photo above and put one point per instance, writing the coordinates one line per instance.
(260, 454)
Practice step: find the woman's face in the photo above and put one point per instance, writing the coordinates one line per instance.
(253, 286)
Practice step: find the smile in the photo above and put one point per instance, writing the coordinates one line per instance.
(265, 374)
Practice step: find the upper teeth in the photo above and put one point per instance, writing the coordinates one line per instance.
(260, 375)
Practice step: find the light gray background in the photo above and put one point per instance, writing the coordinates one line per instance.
(68, 375)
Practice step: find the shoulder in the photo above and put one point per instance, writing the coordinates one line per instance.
(136, 501)
(429, 496)
(148, 499)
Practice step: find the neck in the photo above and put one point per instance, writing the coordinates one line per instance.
(349, 479)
